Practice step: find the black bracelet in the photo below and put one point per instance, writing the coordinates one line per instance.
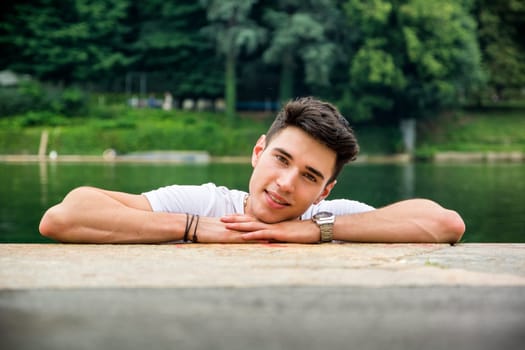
(188, 226)
(194, 238)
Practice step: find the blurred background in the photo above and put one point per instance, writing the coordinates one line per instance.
(435, 81)
(441, 63)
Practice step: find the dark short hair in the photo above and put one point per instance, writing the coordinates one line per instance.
(323, 122)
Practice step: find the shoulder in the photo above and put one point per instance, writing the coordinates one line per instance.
(206, 199)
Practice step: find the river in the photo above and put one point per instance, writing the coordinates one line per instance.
(489, 196)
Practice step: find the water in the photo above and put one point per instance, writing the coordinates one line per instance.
(488, 196)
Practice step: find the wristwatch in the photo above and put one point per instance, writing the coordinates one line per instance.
(325, 220)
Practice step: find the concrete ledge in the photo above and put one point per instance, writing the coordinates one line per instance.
(271, 297)
(63, 266)
(479, 156)
(178, 157)
(203, 157)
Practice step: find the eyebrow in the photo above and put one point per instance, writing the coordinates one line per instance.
(309, 168)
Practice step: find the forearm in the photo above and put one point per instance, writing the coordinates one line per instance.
(92, 216)
(416, 220)
(119, 227)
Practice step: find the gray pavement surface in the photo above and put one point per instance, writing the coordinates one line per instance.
(265, 318)
(277, 296)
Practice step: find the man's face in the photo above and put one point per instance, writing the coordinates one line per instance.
(290, 174)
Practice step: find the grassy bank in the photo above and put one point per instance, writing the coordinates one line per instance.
(487, 130)
(130, 130)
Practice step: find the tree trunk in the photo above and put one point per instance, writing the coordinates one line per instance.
(287, 80)
(230, 88)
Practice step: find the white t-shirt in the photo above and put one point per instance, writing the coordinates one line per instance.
(215, 201)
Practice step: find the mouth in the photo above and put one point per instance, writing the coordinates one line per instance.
(275, 200)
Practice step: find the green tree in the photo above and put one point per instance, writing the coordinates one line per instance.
(68, 41)
(171, 48)
(501, 26)
(233, 30)
(303, 32)
(410, 58)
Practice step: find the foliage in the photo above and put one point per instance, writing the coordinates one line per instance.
(374, 139)
(13, 102)
(501, 26)
(303, 31)
(500, 130)
(379, 59)
(34, 96)
(130, 130)
(67, 41)
(169, 46)
(411, 59)
(233, 30)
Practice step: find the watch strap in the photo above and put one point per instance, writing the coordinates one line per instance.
(327, 232)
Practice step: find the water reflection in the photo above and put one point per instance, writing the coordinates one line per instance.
(44, 181)
(488, 196)
(408, 180)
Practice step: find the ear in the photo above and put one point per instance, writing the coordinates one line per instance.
(326, 191)
(258, 149)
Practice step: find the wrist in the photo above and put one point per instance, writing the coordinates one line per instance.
(325, 221)
(177, 226)
(190, 225)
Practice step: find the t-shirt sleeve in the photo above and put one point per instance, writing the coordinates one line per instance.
(337, 207)
(206, 200)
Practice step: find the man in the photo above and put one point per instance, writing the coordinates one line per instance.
(295, 166)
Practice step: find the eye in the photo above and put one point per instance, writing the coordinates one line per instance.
(310, 177)
(281, 159)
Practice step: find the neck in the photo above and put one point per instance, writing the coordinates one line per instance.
(245, 202)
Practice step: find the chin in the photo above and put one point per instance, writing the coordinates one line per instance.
(268, 219)
(273, 219)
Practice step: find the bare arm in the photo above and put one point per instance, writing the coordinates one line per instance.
(92, 215)
(414, 220)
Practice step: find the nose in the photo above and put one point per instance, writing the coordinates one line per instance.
(286, 180)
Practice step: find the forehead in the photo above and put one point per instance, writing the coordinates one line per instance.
(304, 148)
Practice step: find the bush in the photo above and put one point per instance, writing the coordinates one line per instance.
(39, 119)
(72, 101)
(130, 130)
(33, 96)
(13, 102)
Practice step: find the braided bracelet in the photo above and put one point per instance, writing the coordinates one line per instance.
(194, 239)
(188, 226)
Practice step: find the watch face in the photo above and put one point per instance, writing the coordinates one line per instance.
(322, 215)
(323, 218)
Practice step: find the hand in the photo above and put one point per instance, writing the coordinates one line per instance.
(213, 230)
(293, 231)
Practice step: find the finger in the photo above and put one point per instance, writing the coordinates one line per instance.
(246, 226)
(235, 214)
(257, 235)
(259, 241)
(237, 237)
(237, 218)
(273, 236)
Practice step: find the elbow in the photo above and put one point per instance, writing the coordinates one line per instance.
(453, 227)
(56, 221)
(52, 224)
(444, 225)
